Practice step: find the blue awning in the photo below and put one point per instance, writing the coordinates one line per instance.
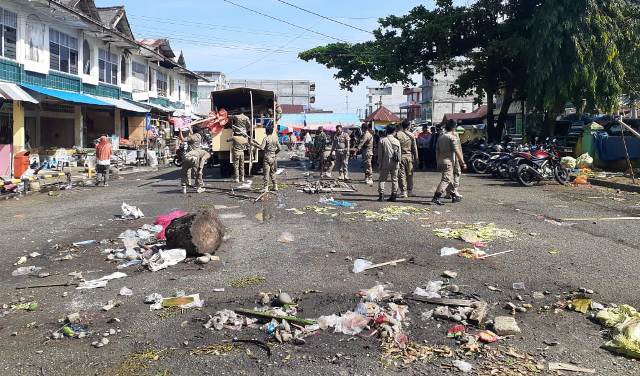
(66, 96)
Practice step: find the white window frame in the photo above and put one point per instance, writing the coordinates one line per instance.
(106, 72)
(8, 19)
(162, 84)
(63, 41)
(139, 73)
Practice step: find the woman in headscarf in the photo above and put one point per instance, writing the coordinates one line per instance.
(103, 161)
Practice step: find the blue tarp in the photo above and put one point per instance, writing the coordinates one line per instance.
(67, 96)
(611, 148)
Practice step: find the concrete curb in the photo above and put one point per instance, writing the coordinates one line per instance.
(614, 185)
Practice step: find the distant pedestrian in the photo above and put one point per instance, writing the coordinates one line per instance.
(103, 161)
(448, 153)
(409, 159)
(388, 163)
(320, 141)
(271, 148)
(340, 149)
(366, 146)
(431, 148)
(423, 141)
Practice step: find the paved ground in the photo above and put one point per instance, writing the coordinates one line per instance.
(600, 255)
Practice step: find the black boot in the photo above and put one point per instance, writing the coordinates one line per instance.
(393, 197)
(456, 198)
(380, 197)
(436, 199)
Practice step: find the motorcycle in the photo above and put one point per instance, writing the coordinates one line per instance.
(539, 165)
(184, 148)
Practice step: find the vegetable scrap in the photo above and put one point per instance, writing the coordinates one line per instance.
(475, 233)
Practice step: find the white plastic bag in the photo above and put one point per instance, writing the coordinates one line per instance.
(164, 259)
(131, 212)
(360, 265)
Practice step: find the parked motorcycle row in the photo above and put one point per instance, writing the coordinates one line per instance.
(527, 164)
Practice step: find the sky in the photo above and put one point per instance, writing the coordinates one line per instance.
(218, 36)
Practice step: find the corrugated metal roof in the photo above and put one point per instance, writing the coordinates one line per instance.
(14, 92)
(383, 114)
(122, 104)
(66, 96)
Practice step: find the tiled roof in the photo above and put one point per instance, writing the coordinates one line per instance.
(383, 114)
(479, 113)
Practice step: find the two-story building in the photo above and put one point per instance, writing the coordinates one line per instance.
(71, 71)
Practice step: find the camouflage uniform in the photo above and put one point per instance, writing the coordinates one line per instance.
(271, 147)
(237, 152)
(341, 149)
(409, 158)
(447, 144)
(366, 145)
(320, 141)
(194, 159)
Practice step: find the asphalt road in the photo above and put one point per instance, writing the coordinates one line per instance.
(598, 255)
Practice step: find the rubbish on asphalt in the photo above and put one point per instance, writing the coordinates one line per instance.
(29, 306)
(246, 185)
(286, 237)
(232, 215)
(333, 202)
(518, 286)
(447, 301)
(165, 219)
(128, 264)
(464, 367)
(493, 288)
(484, 232)
(183, 301)
(295, 211)
(448, 251)
(471, 253)
(584, 161)
(554, 366)
(568, 162)
(155, 300)
(581, 304)
(378, 293)
(198, 233)
(26, 270)
(581, 180)
(279, 171)
(430, 290)
(111, 304)
(494, 254)
(21, 260)
(100, 282)
(487, 336)
(325, 186)
(125, 291)
(449, 274)
(84, 243)
(554, 251)
(267, 315)
(456, 331)
(34, 254)
(103, 342)
(164, 259)
(361, 265)
(625, 321)
(131, 212)
(71, 330)
(505, 325)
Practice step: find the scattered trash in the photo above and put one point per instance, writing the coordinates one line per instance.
(463, 366)
(456, 331)
(164, 220)
(21, 260)
(26, 270)
(448, 251)
(296, 211)
(505, 325)
(286, 237)
(155, 300)
(487, 336)
(479, 231)
(518, 286)
(100, 282)
(111, 304)
(430, 290)
(103, 342)
(584, 161)
(493, 288)
(625, 321)
(482, 257)
(34, 254)
(183, 301)
(331, 201)
(568, 162)
(29, 306)
(71, 330)
(471, 253)
(228, 319)
(363, 265)
(246, 185)
(378, 293)
(131, 212)
(554, 251)
(84, 243)
(569, 367)
(581, 305)
(164, 259)
(232, 216)
(128, 264)
(125, 291)
(449, 274)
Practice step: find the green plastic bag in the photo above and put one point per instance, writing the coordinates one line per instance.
(626, 335)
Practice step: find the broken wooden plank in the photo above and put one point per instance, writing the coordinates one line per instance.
(479, 313)
(569, 367)
(45, 286)
(494, 254)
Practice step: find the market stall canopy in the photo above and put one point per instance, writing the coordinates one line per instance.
(66, 96)
(239, 99)
(14, 92)
(155, 106)
(476, 116)
(314, 121)
(122, 104)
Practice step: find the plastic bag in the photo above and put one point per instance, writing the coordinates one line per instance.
(286, 237)
(568, 162)
(360, 265)
(626, 335)
(164, 259)
(584, 161)
(581, 179)
(131, 212)
(164, 220)
(351, 323)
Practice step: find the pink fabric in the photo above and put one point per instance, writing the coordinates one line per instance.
(165, 220)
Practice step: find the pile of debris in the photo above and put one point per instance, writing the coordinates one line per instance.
(325, 186)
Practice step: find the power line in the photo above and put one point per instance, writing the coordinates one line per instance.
(284, 21)
(326, 18)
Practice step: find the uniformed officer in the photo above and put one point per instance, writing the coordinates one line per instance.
(194, 159)
(340, 149)
(320, 141)
(271, 148)
(366, 146)
(240, 142)
(409, 159)
(389, 155)
(448, 153)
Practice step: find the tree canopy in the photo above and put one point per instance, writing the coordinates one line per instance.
(547, 52)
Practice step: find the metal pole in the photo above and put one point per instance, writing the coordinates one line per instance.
(251, 133)
(626, 152)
